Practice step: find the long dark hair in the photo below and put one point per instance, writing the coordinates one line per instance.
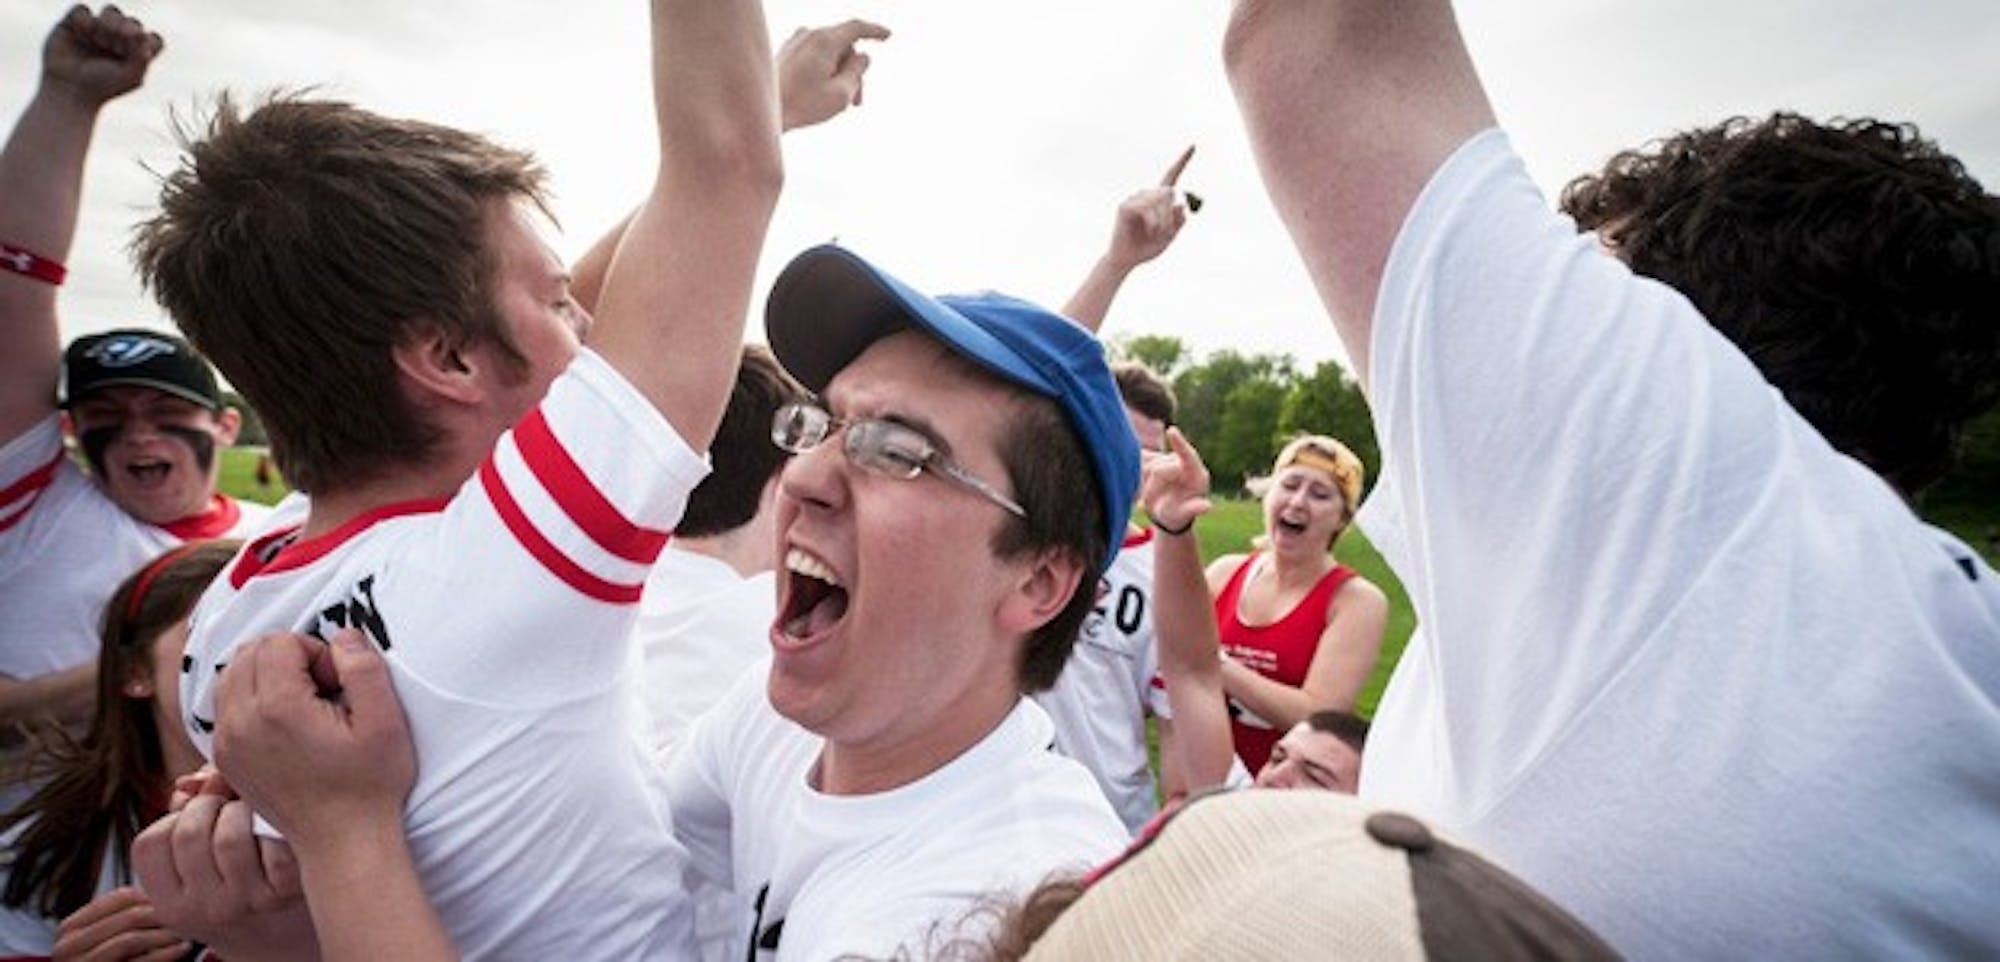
(96, 794)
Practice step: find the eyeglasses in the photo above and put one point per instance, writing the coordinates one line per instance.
(884, 447)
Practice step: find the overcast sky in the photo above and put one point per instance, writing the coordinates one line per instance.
(998, 137)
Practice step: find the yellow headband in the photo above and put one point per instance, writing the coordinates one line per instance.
(1345, 471)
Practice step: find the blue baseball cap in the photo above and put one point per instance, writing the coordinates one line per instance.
(828, 305)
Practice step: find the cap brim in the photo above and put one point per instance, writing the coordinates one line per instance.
(828, 305)
(165, 387)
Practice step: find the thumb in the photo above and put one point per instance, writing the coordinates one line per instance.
(352, 663)
(365, 685)
(853, 67)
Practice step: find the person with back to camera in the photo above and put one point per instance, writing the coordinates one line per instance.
(1302, 631)
(67, 844)
(1687, 661)
(485, 492)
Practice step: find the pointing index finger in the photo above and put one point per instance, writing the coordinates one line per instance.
(1174, 173)
(857, 29)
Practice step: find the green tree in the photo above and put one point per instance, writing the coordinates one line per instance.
(1329, 402)
(1233, 444)
(1248, 438)
(1163, 353)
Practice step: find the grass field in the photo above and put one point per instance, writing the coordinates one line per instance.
(239, 477)
(1233, 523)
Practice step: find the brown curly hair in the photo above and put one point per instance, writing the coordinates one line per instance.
(1855, 263)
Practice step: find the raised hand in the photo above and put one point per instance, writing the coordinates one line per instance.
(1173, 484)
(1147, 222)
(1150, 219)
(820, 71)
(98, 56)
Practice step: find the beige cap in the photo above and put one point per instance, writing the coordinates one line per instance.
(1266, 874)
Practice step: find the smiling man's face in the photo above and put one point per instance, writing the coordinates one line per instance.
(154, 452)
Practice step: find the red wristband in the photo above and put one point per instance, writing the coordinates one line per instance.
(21, 260)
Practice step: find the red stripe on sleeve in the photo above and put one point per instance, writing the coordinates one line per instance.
(27, 491)
(33, 482)
(543, 551)
(9, 522)
(579, 497)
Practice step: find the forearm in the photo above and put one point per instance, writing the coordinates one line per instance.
(1173, 782)
(1276, 702)
(65, 696)
(693, 246)
(1385, 91)
(586, 276)
(366, 900)
(1091, 303)
(41, 185)
(1190, 662)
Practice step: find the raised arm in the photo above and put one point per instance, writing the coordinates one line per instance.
(1350, 106)
(1147, 223)
(820, 72)
(1174, 489)
(670, 316)
(87, 60)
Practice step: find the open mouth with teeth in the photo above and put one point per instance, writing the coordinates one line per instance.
(1293, 526)
(149, 470)
(814, 598)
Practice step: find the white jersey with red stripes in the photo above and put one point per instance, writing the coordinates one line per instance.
(65, 546)
(505, 613)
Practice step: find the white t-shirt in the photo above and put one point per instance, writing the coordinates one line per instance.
(1099, 704)
(1684, 667)
(65, 547)
(505, 613)
(822, 876)
(700, 626)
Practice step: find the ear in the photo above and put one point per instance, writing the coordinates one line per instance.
(228, 422)
(435, 366)
(138, 683)
(1044, 588)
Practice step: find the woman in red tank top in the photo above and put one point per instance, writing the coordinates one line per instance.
(1301, 631)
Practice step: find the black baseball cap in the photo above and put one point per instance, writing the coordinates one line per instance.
(137, 357)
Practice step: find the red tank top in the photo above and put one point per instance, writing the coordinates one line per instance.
(1280, 651)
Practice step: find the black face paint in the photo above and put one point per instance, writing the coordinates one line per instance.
(98, 440)
(95, 441)
(200, 441)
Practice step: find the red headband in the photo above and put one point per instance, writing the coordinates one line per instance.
(152, 571)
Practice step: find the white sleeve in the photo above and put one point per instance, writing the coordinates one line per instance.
(700, 777)
(1565, 445)
(541, 555)
(28, 462)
